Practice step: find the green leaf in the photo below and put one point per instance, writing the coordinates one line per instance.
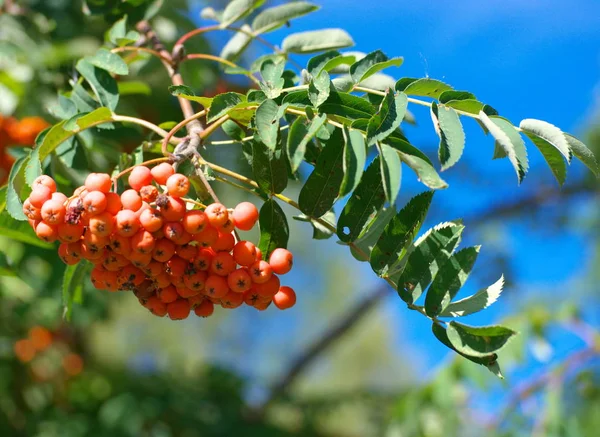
(549, 133)
(584, 154)
(347, 106)
(489, 361)
(552, 155)
(426, 256)
(16, 179)
(322, 187)
(134, 87)
(478, 341)
(237, 44)
(391, 171)
(399, 233)
(238, 9)
(453, 95)
(108, 61)
(5, 266)
(509, 140)
(222, 104)
(102, 83)
(20, 231)
(372, 63)
(268, 115)
(362, 247)
(66, 129)
(328, 61)
(319, 89)
(269, 168)
(275, 17)
(316, 41)
(274, 230)
(468, 105)
(299, 136)
(422, 87)
(355, 158)
(450, 278)
(187, 93)
(366, 200)
(388, 118)
(418, 161)
(272, 82)
(476, 302)
(320, 231)
(3, 190)
(452, 137)
(73, 286)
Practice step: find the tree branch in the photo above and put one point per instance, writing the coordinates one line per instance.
(306, 358)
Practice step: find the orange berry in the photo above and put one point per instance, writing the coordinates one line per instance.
(222, 264)
(239, 281)
(269, 288)
(53, 212)
(60, 197)
(281, 261)
(173, 231)
(245, 216)
(91, 253)
(153, 269)
(203, 259)
(228, 227)
(216, 286)
(139, 259)
(97, 277)
(207, 237)
(163, 280)
(225, 242)
(69, 233)
(98, 182)
(139, 177)
(194, 221)
(285, 298)
(195, 282)
(187, 251)
(130, 276)
(179, 310)
(24, 350)
(258, 254)
(73, 364)
(216, 214)
(46, 181)
(40, 337)
(204, 309)
(262, 305)
(31, 211)
(162, 172)
(149, 193)
(151, 219)
(40, 195)
(167, 294)
(127, 223)
(46, 232)
(260, 272)
(113, 203)
(120, 244)
(172, 209)
(130, 199)
(94, 203)
(163, 250)
(102, 224)
(251, 297)
(142, 242)
(176, 267)
(74, 249)
(114, 262)
(178, 185)
(65, 256)
(156, 307)
(244, 253)
(232, 300)
(95, 241)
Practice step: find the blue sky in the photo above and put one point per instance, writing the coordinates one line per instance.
(528, 59)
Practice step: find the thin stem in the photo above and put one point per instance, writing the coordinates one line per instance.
(177, 127)
(236, 185)
(213, 127)
(221, 61)
(251, 137)
(141, 49)
(195, 202)
(163, 133)
(195, 32)
(303, 114)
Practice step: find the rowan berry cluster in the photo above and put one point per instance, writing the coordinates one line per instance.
(151, 240)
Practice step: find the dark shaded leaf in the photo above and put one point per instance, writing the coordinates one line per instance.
(478, 341)
(274, 230)
(355, 158)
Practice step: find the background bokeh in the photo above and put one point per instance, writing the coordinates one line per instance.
(116, 370)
